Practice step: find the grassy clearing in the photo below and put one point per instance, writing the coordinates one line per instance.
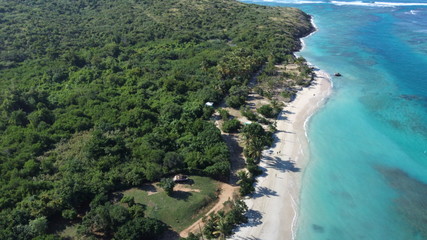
(183, 207)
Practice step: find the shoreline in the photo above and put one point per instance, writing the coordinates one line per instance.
(273, 208)
(302, 39)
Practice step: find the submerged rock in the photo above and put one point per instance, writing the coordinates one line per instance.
(411, 202)
(318, 228)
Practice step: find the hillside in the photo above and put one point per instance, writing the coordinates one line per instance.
(101, 96)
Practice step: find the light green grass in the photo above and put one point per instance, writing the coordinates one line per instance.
(181, 209)
(70, 232)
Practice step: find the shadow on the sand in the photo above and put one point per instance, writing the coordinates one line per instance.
(263, 191)
(276, 141)
(247, 238)
(254, 219)
(282, 131)
(287, 112)
(281, 165)
(264, 171)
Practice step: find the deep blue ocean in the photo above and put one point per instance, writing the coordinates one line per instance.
(367, 173)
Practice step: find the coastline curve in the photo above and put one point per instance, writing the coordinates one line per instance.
(278, 189)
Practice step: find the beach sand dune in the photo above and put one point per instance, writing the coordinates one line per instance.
(274, 205)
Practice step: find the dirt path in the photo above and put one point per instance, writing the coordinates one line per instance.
(226, 194)
(237, 160)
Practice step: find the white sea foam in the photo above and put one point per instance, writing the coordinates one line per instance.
(402, 4)
(309, 2)
(377, 4)
(352, 3)
(302, 39)
(295, 218)
(292, 1)
(413, 12)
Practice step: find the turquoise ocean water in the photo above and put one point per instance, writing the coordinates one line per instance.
(367, 176)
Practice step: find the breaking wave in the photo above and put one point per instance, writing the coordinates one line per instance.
(377, 4)
(344, 3)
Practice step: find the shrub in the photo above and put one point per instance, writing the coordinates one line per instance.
(129, 200)
(69, 214)
(263, 121)
(259, 90)
(232, 125)
(288, 94)
(207, 112)
(237, 96)
(219, 170)
(167, 184)
(267, 111)
(224, 114)
(249, 114)
(235, 101)
(141, 228)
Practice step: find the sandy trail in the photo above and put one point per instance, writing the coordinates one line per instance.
(226, 194)
(274, 205)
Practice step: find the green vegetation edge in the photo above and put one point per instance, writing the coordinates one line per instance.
(102, 96)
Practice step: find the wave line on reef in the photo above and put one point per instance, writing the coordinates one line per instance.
(352, 3)
(294, 219)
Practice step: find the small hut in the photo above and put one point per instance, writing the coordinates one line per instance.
(180, 178)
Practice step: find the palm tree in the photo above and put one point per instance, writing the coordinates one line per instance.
(243, 176)
(221, 226)
(252, 152)
(245, 182)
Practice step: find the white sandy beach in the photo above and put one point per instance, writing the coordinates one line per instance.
(273, 207)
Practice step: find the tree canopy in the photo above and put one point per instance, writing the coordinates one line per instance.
(98, 96)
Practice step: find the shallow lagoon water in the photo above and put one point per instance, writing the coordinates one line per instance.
(367, 176)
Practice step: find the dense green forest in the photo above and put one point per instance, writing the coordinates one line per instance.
(102, 95)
